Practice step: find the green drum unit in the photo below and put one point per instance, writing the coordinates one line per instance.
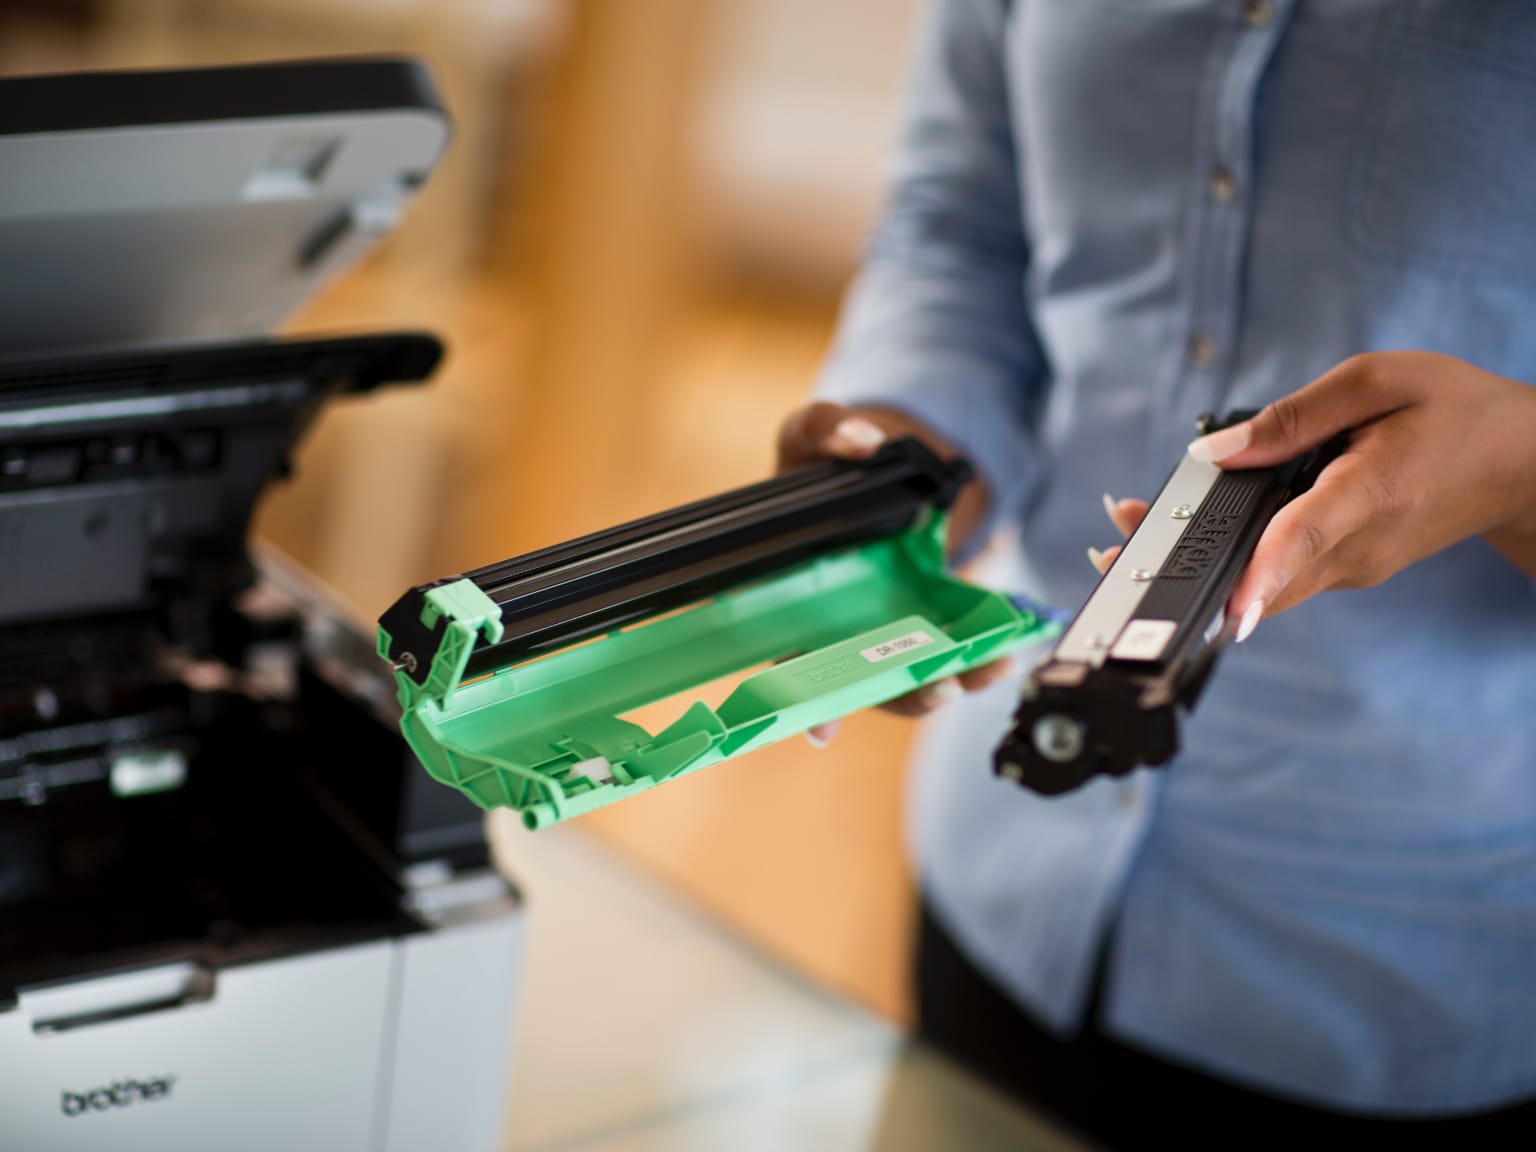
(828, 585)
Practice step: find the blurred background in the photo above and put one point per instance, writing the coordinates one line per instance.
(635, 251)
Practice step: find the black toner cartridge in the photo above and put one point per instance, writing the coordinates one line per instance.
(1109, 697)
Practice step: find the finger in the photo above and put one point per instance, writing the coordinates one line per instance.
(1290, 562)
(821, 430)
(1102, 560)
(978, 678)
(823, 734)
(925, 700)
(806, 428)
(1357, 392)
(1125, 515)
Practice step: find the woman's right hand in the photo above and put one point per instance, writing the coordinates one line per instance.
(829, 431)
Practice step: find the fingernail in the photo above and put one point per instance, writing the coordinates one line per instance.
(1109, 507)
(1218, 446)
(942, 693)
(1251, 617)
(1096, 558)
(858, 433)
(821, 735)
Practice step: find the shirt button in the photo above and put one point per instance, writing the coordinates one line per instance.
(1258, 13)
(1223, 185)
(1202, 349)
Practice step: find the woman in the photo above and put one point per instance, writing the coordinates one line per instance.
(1107, 218)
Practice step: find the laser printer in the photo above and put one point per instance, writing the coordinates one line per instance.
(235, 913)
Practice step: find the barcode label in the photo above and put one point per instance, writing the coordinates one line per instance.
(896, 647)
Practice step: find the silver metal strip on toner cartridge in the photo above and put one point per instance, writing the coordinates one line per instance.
(1098, 626)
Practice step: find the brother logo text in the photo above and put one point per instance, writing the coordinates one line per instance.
(118, 1095)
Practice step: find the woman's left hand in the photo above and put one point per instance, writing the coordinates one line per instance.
(1439, 451)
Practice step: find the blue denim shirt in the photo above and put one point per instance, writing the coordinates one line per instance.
(1107, 217)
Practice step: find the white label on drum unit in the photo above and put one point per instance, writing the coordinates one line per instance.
(597, 769)
(138, 773)
(1144, 639)
(896, 647)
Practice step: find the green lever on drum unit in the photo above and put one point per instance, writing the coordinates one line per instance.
(827, 586)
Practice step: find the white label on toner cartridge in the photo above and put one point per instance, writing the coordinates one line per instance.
(896, 647)
(1144, 639)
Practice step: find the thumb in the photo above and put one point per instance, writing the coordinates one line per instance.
(823, 430)
(1358, 391)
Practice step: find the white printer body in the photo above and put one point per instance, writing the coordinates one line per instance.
(234, 911)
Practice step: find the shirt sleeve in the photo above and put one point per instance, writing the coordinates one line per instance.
(936, 324)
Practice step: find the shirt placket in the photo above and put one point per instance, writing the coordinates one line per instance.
(1219, 222)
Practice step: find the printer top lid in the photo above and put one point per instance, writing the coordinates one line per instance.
(154, 227)
(171, 207)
